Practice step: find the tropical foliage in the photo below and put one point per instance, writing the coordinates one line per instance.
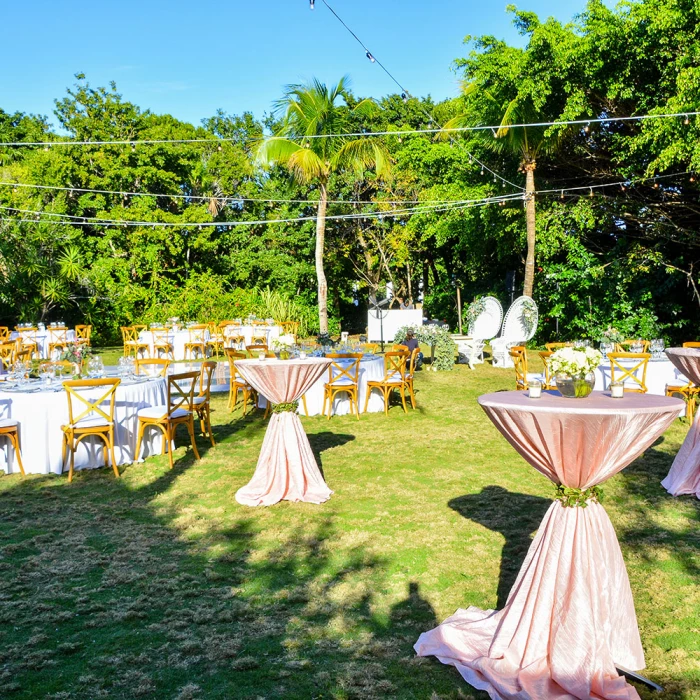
(624, 255)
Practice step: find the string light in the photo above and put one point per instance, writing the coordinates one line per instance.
(587, 128)
(371, 58)
(686, 121)
(591, 194)
(312, 4)
(404, 97)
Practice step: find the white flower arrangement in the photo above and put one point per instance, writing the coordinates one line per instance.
(576, 362)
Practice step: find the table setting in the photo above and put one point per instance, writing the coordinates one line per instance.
(569, 622)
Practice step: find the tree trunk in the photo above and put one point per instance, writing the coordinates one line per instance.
(530, 220)
(320, 273)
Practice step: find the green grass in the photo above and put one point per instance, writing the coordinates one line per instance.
(159, 585)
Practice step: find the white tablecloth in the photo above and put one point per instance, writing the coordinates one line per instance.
(43, 338)
(659, 374)
(371, 369)
(41, 415)
(272, 333)
(176, 338)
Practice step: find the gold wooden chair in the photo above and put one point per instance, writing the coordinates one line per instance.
(217, 340)
(551, 347)
(30, 342)
(83, 334)
(259, 339)
(161, 342)
(290, 328)
(237, 383)
(202, 402)
(132, 344)
(87, 418)
(691, 344)
(371, 348)
(400, 347)
(688, 392)
(197, 341)
(624, 345)
(4, 334)
(153, 366)
(235, 341)
(178, 410)
(549, 383)
(256, 348)
(394, 380)
(7, 354)
(636, 365)
(519, 356)
(342, 378)
(58, 342)
(24, 353)
(9, 428)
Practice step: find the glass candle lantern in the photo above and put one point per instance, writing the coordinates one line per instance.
(535, 389)
(617, 390)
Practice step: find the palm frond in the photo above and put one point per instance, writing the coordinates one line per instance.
(362, 154)
(306, 165)
(276, 149)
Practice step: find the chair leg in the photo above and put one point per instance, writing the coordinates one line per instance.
(325, 397)
(14, 439)
(303, 401)
(64, 447)
(367, 395)
(137, 451)
(403, 398)
(190, 429)
(71, 447)
(413, 397)
(356, 395)
(115, 468)
(211, 432)
(386, 392)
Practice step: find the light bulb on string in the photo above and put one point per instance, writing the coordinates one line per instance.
(404, 97)
(692, 178)
(482, 171)
(371, 58)
(686, 121)
(591, 194)
(219, 148)
(133, 147)
(503, 186)
(587, 128)
(656, 185)
(562, 195)
(312, 4)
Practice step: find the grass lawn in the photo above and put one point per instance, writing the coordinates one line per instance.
(159, 585)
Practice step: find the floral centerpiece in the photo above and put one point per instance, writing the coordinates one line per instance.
(76, 353)
(473, 311)
(529, 315)
(573, 368)
(612, 335)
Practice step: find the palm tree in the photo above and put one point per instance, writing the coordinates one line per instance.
(310, 111)
(524, 142)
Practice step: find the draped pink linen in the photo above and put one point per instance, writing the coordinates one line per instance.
(286, 468)
(569, 618)
(684, 477)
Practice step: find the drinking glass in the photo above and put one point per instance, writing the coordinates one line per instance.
(636, 347)
(605, 348)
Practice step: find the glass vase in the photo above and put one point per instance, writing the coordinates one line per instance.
(577, 387)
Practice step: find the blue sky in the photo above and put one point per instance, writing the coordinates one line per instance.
(191, 58)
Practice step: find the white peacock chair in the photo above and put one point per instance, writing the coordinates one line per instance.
(515, 331)
(484, 327)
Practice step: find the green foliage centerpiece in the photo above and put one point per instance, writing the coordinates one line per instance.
(473, 311)
(77, 353)
(573, 368)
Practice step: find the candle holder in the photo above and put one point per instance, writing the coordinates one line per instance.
(617, 390)
(535, 389)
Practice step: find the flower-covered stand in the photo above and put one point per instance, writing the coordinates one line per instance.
(442, 347)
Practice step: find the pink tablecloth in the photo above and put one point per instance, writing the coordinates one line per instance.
(286, 469)
(684, 477)
(569, 618)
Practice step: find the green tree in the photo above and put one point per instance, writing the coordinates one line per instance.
(312, 111)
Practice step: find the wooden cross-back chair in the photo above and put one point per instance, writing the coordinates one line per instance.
(637, 363)
(83, 334)
(688, 392)
(58, 341)
(132, 344)
(549, 382)
(9, 428)
(691, 344)
(216, 340)
(410, 374)
(161, 342)
(256, 348)
(237, 383)
(202, 402)
(7, 354)
(519, 357)
(197, 341)
(290, 328)
(178, 410)
(4, 334)
(342, 379)
(371, 348)
(30, 342)
(394, 380)
(153, 366)
(87, 418)
(551, 347)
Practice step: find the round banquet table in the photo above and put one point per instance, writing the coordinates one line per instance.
(286, 468)
(684, 477)
(41, 413)
(569, 619)
(43, 338)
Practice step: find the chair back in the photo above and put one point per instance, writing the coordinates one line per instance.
(23, 353)
(633, 371)
(412, 362)
(205, 376)
(4, 334)
(129, 334)
(625, 344)
(83, 332)
(691, 344)
(28, 335)
(257, 348)
(232, 355)
(344, 373)
(197, 333)
(289, 327)
(152, 366)
(551, 347)
(58, 336)
(7, 354)
(371, 348)
(138, 327)
(545, 355)
(519, 357)
(80, 407)
(400, 347)
(181, 391)
(161, 336)
(395, 363)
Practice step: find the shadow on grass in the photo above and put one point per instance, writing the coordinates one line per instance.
(119, 591)
(515, 515)
(326, 440)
